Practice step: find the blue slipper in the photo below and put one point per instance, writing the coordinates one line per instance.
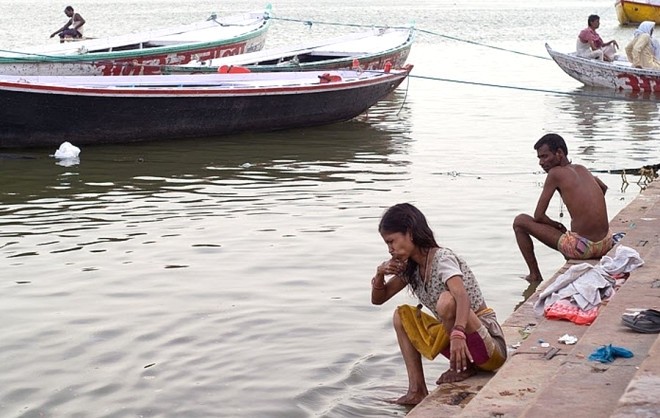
(607, 353)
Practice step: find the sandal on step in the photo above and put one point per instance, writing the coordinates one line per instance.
(646, 321)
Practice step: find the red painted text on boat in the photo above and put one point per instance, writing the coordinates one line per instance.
(152, 65)
(641, 83)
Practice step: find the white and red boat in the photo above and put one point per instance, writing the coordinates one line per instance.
(144, 52)
(618, 75)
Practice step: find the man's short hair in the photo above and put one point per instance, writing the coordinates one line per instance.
(68, 8)
(591, 19)
(553, 141)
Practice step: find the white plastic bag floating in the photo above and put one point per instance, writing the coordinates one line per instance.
(67, 154)
(66, 151)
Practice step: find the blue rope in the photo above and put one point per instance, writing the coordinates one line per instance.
(538, 90)
(28, 55)
(453, 38)
(309, 23)
(484, 45)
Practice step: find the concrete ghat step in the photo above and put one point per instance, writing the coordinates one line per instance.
(521, 327)
(530, 385)
(580, 387)
(529, 367)
(641, 396)
(529, 376)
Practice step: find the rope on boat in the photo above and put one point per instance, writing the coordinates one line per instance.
(29, 56)
(531, 89)
(353, 25)
(310, 23)
(650, 170)
(405, 96)
(453, 38)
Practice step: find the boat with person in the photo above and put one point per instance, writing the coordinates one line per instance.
(370, 50)
(633, 12)
(618, 74)
(143, 53)
(83, 110)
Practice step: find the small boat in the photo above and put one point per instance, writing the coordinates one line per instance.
(48, 110)
(371, 50)
(618, 75)
(143, 53)
(633, 12)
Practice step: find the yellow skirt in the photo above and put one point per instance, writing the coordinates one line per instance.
(430, 338)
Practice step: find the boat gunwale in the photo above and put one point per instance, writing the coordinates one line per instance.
(209, 89)
(307, 48)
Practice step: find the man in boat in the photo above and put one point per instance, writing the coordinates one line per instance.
(73, 27)
(584, 197)
(590, 45)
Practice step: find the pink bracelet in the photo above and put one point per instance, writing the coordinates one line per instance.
(459, 327)
(457, 334)
(373, 285)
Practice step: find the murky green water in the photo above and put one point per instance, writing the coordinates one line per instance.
(230, 276)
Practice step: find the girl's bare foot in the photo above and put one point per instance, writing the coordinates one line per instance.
(451, 376)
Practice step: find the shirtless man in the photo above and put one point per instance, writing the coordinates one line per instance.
(72, 27)
(584, 196)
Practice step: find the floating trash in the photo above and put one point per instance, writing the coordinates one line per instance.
(67, 154)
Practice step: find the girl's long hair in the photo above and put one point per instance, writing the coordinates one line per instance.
(404, 218)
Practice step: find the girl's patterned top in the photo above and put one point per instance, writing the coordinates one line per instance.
(446, 264)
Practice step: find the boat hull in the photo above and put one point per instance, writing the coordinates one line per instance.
(618, 75)
(42, 115)
(634, 13)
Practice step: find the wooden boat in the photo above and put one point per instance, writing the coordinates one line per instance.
(48, 110)
(619, 75)
(633, 12)
(369, 49)
(144, 52)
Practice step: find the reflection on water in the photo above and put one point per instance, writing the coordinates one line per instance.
(592, 110)
(151, 182)
(599, 111)
(616, 127)
(320, 154)
(528, 292)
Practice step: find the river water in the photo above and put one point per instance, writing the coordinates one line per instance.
(230, 276)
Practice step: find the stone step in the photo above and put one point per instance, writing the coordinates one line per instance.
(535, 380)
(532, 385)
(641, 396)
(580, 387)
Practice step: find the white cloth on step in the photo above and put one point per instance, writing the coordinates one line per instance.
(585, 285)
(625, 260)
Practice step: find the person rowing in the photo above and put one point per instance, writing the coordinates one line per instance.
(73, 27)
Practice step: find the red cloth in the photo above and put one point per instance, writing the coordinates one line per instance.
(563, 309)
